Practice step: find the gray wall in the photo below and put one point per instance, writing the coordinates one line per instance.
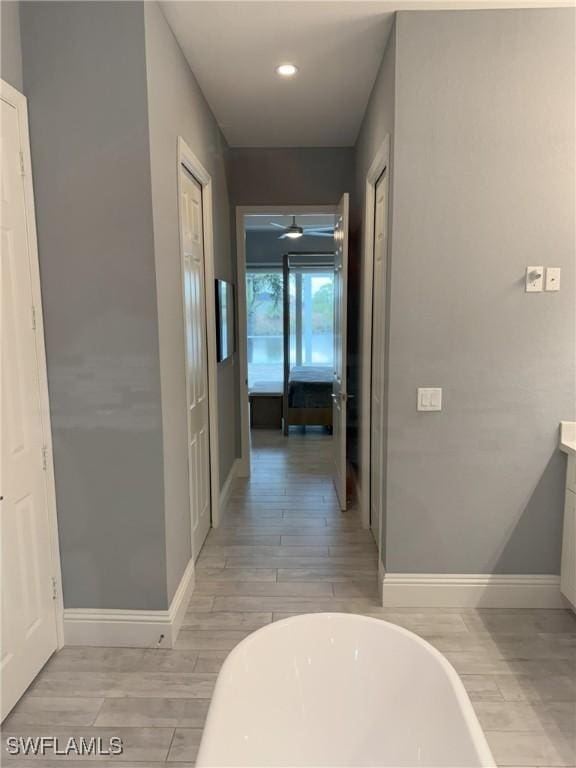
(378, 122)
(178, 108)
(11, 50)
(305, 176)
(85, 78)
(483, 187)
(266, 248)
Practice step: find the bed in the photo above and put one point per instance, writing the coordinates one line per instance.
(308, 397)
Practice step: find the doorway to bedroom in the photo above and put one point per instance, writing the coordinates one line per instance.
(292, 298)
(289, 280)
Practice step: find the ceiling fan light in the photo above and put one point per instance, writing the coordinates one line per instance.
(287, 70)
(293, 231)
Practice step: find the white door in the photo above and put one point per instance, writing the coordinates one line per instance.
(196, 357)
(377, 414)
(29, 634)
(339, 394)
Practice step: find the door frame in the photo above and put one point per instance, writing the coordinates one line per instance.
(340, 380)
(190, 161)
(380, 163)
(241, 211)
(20, 103)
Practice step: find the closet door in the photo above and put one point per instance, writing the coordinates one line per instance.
(196, 357)
(29, 630)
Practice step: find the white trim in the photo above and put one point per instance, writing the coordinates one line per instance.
(189, 160)
(131, 629)
(244, 460)
(470, 590)
(180, 600)
(381, 577)
(20, 103)
(379, 163)
(241, 211)
(227, 487)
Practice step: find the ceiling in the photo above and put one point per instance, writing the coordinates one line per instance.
(233, 49)
(263, 223)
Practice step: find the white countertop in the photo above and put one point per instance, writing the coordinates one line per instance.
(568, 436)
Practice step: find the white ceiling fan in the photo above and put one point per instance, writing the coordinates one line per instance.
(295, 231)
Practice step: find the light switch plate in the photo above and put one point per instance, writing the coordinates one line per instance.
(552, 279)
(534, 279)
(429, 398)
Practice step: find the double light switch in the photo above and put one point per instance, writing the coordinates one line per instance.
(429, 398)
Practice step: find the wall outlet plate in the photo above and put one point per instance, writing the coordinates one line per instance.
(534, 279)
(429, 399)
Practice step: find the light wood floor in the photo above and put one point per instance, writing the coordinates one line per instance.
(284, 548)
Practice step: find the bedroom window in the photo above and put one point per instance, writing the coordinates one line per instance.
(264, 315)
(311, 317)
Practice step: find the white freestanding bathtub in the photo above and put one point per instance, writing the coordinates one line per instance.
(333, 689)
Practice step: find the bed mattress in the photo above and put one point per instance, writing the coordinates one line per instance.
(310, 387)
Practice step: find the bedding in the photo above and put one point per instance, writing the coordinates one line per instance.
(310, 387)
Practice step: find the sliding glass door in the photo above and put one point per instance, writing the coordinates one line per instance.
(311, 296)
(265, 317)
(311, 292)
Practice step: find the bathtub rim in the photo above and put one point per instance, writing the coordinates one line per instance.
(470, 717)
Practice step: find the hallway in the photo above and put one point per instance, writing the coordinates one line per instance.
(285, 548)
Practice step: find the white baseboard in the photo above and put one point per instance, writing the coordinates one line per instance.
(243, 467)
(130, 629)
(227, 487)
(456, 590)
(381, 577)
(179, 604)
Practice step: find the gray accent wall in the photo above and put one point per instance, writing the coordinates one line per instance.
(378, 121)
(483, 186)
(85, 79)
(265, 248)
(10, 45)
(300, 175)
(109, 93)
(177, 107)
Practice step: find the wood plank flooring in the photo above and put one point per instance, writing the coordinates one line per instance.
(284, 548)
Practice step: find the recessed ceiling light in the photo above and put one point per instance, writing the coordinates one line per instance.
(287, 70)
